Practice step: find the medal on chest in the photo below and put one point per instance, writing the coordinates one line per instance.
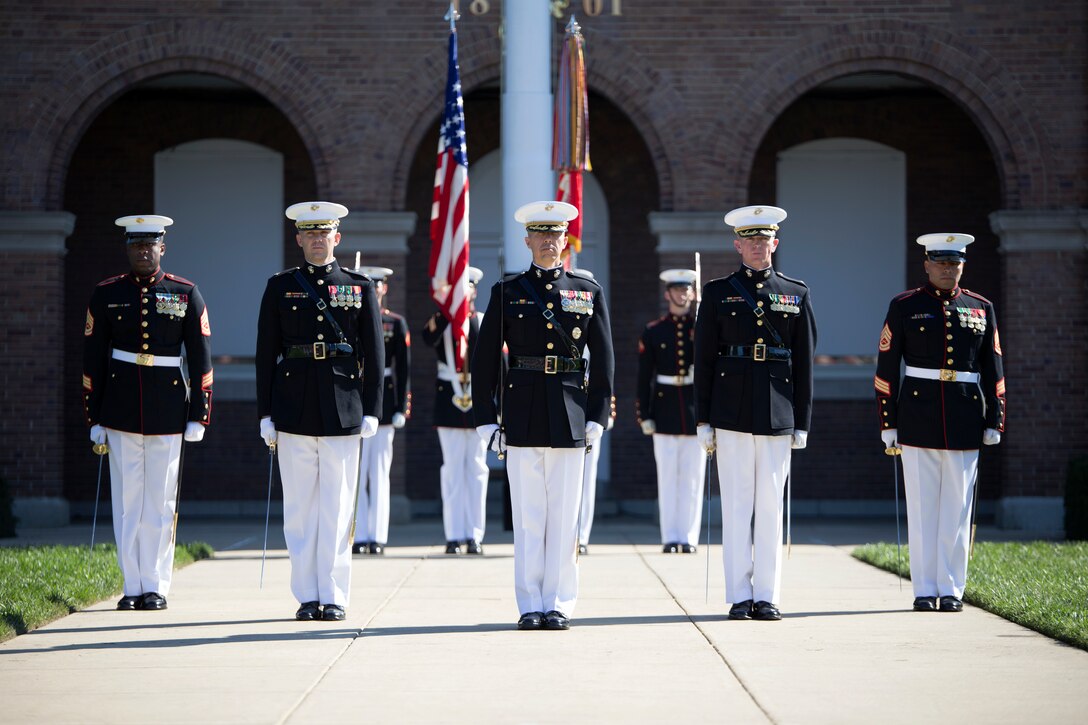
(576, 301)
(785, 303)
(345, 295)
(171, 305)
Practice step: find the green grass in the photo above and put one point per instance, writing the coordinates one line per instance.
(41, 583)
(1040, 585)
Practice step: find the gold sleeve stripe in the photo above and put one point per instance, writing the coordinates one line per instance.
(206, 381)
(88, 328)
(997, 343)
(87, 383)
(882, 386)
(205, 328)
(1001, 388)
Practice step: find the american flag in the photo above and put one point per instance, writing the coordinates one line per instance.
(449, 214)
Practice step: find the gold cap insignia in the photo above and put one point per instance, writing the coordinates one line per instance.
(139, 220)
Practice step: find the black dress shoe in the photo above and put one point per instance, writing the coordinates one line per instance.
(376, 548)
(308, 612)
(360, 547)
(951, 604)
(130, 603)
(473, 547)
(556, 620)
(333, 613)
(925, 604)
(687, 548)
(766, 612)
(582, 549)
(453, 547)
(154, 600)
(670, 548)
(531, 620)
(741, 610)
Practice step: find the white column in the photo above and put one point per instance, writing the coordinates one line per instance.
(526, 118)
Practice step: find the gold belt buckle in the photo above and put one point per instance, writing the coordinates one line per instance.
(320, 351)
(551, 364)
(678, 380)
(759, 352)
(948, 376)
(145, 358)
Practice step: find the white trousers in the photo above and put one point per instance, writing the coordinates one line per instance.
(144, 490)
(372, 513)
(939, 485)
(319, 479)
(681, 473)
(589, 493)
(464, 483)
(752, 471)
(545, 486)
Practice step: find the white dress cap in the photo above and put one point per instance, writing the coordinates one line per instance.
(946, 246)
(546, 216)
(678, 276)
(378, 274)
(584, 272)
(144, 224)
(751, 221)
(475, 274)
(316, 214)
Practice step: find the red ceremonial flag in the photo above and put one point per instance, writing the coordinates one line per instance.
(570, 131)
(449, 214)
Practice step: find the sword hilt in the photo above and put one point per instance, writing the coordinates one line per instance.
(100, 449)
(893, 451)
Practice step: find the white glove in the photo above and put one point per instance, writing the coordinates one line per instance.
(268, 431)
(487, 432)
(706, 438)
(991, 437)
(370, 426)
(399, 420)
(648, 427)
(98, 434)
(889, 435)
(611, 422)
(194, 432)
(800, 440)
(594, 431)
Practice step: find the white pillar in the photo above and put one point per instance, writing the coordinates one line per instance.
(526, 119)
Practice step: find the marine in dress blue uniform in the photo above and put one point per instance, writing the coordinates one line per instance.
(755, 337)
(949, 403)
(320, 372)
(665, 407)
(376, 457)
(141, 400)
(464, 473)
(549, 412)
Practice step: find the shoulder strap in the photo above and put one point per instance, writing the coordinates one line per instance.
(308, 288)
(756, 309)
(550, 317)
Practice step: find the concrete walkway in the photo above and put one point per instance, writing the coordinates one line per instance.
(431, 638)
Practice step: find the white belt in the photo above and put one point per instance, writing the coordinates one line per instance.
(388, 372)
(143, 358)
(678, 380)
(948, 376)
(445, 372)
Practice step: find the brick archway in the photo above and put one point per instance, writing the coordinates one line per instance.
(613, 71)
(93, 78)
(968, 75)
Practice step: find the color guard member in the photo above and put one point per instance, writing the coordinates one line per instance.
(951, 401)
(464, 473)
(546, 317)
(755, 337)
(376, 458)
(138, 399)
(320, 363)
(666, 410)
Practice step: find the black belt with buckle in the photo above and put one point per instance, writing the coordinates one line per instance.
(759, 353)
(319, 350)
(549, 364)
